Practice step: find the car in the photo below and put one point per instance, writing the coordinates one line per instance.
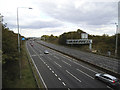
(46, 52)
(32, 45)
(108, 79)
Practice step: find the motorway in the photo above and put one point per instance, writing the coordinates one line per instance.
(60, 71)
(108, 63)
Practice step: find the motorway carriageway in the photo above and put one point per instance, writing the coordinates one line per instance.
(60, 71)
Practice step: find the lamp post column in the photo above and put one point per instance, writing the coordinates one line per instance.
(116, 44)
(18, 43)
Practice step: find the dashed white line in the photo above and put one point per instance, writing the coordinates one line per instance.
(59, 79)
(52, 71)
(36, 68)
(41, 54)
(56, 75)
(73, 76)
(56, 57)
(85, 67)
(85, 73)
(50, 68)
(43, 62)
(66, 57)
(63, 83)
(110, 88)
(49, 58)
(57, 64)
(66, 63)
(33, 55)
(68, 89)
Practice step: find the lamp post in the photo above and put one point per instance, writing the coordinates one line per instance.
(1, 18)
(116, 44)
(19, 36)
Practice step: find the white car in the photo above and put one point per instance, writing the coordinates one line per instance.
(46, 52)
(108, 79)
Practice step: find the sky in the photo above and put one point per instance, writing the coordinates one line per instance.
(95, 17)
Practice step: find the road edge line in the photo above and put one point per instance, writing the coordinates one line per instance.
(37, 69)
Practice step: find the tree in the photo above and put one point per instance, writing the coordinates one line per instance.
(10, 64)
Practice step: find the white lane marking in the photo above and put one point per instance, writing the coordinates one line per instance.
(57, 64)
(68, 58)
(50, 68)
(49, 58)
(73, 76)
(66, 63)
(50, 53)
(52, 71)
(33, 55)
(56, 75)
(41, 54)
(63, 83)
(43, 62)
(68, 89)
(36, 68)
(59, 79)
(85, 67)
(37, 54)
(110, 88)
(85, 73)
(56, 57)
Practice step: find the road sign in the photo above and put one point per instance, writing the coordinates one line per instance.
(79, 41)
(23, 38)
(84, 35)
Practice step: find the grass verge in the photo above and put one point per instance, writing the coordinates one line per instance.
(27, 79)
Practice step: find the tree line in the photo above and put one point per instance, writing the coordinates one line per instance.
(10, 62)
(101, 43)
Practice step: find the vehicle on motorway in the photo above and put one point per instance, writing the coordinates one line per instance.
(32, 45)
(108, 79)
(46, 52)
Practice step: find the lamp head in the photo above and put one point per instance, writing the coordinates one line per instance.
(29, 8)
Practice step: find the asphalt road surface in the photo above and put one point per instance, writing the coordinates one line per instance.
(101, 61)
(60, 71)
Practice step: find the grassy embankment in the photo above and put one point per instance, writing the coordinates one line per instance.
(27, 80)
(27, 77)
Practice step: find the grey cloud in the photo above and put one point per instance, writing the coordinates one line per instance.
(36, 24)
(39, 25)
(101, 13)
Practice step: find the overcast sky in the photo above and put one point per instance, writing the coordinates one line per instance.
(55, 17)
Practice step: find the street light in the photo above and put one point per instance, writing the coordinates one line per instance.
(19, 36)
(1, 18)
(116, 44)
(18, 26)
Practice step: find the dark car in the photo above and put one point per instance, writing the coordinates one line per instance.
(32, 45)
(108, 79)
